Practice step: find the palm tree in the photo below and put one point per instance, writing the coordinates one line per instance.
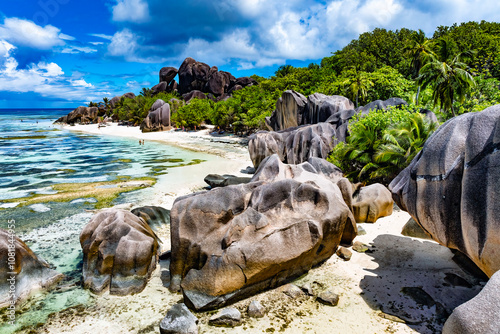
(419, 50)
(402, 143)
(357, 85)
(447, 75)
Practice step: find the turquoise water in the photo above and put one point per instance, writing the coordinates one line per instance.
(36, 154)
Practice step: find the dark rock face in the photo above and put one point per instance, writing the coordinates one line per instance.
(32, 273)
(158, 119)
(381, 105)
(167, 74)
(161, 87)
(296, 145)
(480, 315)
(372, 202)
(451, 187)
(228, 317)
(153, 215)
(82, 115)
(194, 94)
(115, 99)
(179, 320)
(215, 180)
(232, 242)
(294, 109)
(120, 251)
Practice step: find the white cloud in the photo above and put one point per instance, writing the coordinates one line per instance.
(123, 43)
(103, 36)
(26, 33)
(136, 11)
(78, 49)
(81, 83)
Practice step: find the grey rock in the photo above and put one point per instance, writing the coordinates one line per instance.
(167, 74)
(480, 315)
(292, 291)
(371, 203)
(179, 320)
(412, 229)
(359, 247)
(83, 115)
(194, 94)
(228, 317)
(329, 298)
(307, 288)
(158, 119)
(382, 105)
(215, 180)
(344, 253)
(153, 215)
(255, 309)
(161, 87)
(451, 184)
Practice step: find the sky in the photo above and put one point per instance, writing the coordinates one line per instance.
(65, 53)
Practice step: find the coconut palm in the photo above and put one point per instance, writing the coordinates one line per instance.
(447, 75)
(420, 50)
(358, 84)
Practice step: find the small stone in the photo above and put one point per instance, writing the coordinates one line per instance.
(179, 320)
(412, 229)
(292, 291)
(361, 230)
(307, 289)
(328, 298)
(228, 317)
(344, 253)
(255, 309)
(359, 247)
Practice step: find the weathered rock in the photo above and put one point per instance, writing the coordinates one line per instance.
(82, 115)
(215, 180)
(161, 87)
(294, 145)
(382, 105)
(412, 229)
(158, 118)
(329, 298)
(32, 273)
(193, 75)
(256, 310)
(194, 94)
(245, 82)
(359, 247)
(115, 99)
(228, 317)
(232, 242)
(321, 108)
(292, 291)
(344, 253)
(179, 320)
(153, 215)
(307, 288)
(451, 185)
(167, 74)
(217, 83)
(480, 315)
(120, 251)
(289, 110)
(372, 202)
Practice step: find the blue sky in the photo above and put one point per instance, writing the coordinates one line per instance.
(64, 53)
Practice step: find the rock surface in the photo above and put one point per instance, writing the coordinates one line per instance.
(344, 253)
(382, 105)
(412, 229)
(119, 251)
(32, 273)
(158, 118)
(328, 298)
(371, 203)
(255, 309)
(167, 74)
(451, 185)
(179, 320)
(228, 317)
(153, 215)
(83, 115)
(232, 242)
(215, 180)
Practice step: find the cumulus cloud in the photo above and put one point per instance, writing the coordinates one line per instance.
(131, 10)
(26, 33)
(78, 49)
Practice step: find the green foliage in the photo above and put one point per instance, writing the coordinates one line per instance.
(381, 144)
(193, 114)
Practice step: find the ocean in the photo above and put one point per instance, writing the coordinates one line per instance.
(37, 155)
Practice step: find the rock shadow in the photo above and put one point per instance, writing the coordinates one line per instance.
(416, 281)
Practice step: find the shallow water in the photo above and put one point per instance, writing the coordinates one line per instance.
(40, 154)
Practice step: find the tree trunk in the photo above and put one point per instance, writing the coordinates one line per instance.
(418, 93)
(357, 99)
(453, 110)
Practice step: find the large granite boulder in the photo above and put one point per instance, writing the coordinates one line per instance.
(158, 118)
(232, 242)
(321, 107)
(216, 180)
(195, 94)
(159, 88)
(452, 187)
(153, 215)
(167, 74)
(30, 273)
(120, 251)
(193, 75)
(382, 105)
(298, 144)
(289, 109)
(480, 315)
(371, 203)
(83, 115)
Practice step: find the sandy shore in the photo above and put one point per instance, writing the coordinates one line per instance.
(400, 285)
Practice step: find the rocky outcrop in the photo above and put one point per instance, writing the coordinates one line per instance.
(232, 242)
(158, 118)
(120, 251)
(30, 273)
(153, 215)
(115, 99)
(451, 187)
(216, 181)
(179, 320)
(83, 115)
(167, 74)
(297, 145)
(371, 203)
(198, 76)
(382, 105)
(480, 315)
(194, 94)
(294, 109)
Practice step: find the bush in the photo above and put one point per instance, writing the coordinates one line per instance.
(193, 114)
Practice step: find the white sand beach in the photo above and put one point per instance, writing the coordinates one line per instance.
(380, 289)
